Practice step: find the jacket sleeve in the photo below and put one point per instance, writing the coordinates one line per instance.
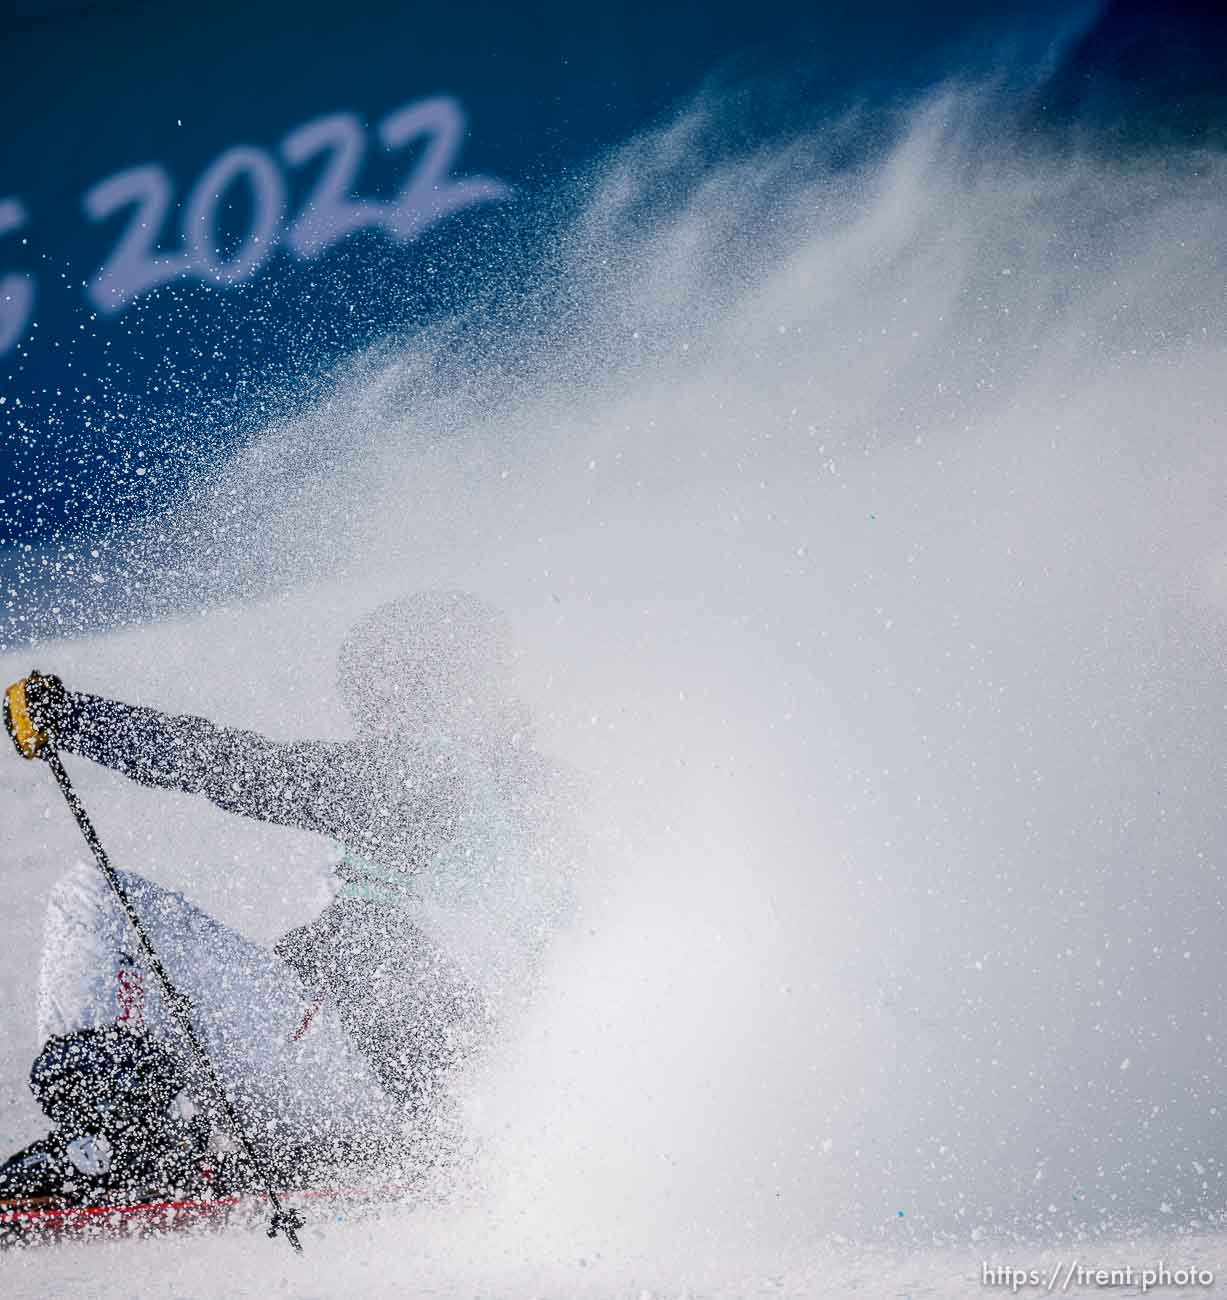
(312, 785)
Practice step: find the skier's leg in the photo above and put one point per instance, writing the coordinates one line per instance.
(86, 943)
(247, 1006)
(404, 1005)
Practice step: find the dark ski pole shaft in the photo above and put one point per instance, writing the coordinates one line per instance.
(285, 1221)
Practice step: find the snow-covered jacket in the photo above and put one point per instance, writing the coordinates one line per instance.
(478, 849)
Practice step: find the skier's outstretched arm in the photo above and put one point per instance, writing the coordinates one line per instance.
(308, 784)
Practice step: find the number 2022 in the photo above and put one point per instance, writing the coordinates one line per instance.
(138, 265)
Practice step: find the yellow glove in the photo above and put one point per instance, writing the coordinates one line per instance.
(32, 707)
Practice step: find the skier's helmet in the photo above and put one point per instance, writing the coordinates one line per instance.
(433, 662)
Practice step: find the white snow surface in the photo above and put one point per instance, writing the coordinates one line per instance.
(402, 1257)
(863, 533)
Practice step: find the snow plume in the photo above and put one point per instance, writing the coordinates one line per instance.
(861, 525)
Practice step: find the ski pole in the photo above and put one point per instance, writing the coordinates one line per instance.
(285, 1220)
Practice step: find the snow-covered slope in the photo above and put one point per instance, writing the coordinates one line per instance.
(406, 1255)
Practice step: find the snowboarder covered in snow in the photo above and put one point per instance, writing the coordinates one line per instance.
(456, 849)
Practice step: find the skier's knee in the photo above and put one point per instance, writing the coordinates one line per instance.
(82, 915)
(79, 895)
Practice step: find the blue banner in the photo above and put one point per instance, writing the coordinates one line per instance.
(202, 208)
